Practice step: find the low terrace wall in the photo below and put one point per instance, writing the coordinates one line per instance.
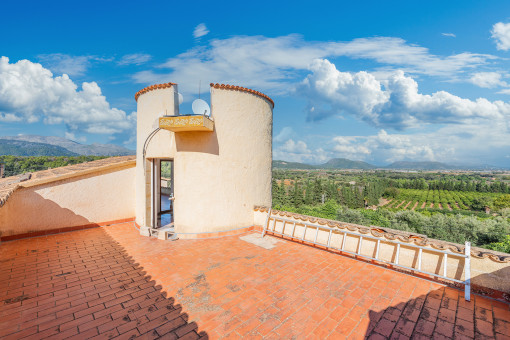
(87, 200)
(490, 270)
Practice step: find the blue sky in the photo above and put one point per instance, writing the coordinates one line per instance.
(373, 81)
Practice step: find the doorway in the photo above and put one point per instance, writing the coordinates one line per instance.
(163, 193)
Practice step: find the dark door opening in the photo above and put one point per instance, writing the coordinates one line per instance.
(163, 194)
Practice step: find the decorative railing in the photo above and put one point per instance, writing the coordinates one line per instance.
(270, 226)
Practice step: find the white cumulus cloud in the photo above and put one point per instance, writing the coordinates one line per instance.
(394, 103)
(200, 30)
(501, 33)
(30, 92)
(271, 63)
(488, 79)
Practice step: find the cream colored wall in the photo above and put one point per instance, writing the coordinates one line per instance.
(81, 200)
(484, 272)
(219, 176)
(151, 106)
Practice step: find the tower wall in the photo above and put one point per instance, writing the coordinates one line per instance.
(219, 176)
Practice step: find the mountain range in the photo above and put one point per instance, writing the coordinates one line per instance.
(343, 163)
(33, 145)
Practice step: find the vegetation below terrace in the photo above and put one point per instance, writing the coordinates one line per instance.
(15, 165)
(454, 207)
(445, 206)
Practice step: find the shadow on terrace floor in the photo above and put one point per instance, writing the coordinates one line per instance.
(439, 314)
(82, 284)
(86, 283)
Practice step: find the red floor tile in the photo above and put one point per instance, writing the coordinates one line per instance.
(111, 282)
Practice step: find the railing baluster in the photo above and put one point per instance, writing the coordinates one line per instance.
(445, 264)
(419, 259)
(266, 226)
(467, 272)
(358, 251)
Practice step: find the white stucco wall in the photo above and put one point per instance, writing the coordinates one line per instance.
(93, 198)
(219, 176)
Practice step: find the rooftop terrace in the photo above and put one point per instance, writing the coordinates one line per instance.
(111, 282)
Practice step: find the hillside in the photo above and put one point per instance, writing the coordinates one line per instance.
(335, 163)
(73, 147)
(402, 165)
(343, 163)
(22, 148)
(291, 165)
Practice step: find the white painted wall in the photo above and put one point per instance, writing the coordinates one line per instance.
(219, 176)
(93, 198)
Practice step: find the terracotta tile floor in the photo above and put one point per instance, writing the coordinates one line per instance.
(111, 282)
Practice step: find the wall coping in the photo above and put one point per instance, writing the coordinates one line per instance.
(152, 88)
(9, 184)
(240, 88)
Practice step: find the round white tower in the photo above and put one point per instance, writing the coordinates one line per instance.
(221, 165)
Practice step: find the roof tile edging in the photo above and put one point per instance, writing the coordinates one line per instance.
(63, 173)
(382, 232)
(240, 88)
(152, 88)
(11, 188)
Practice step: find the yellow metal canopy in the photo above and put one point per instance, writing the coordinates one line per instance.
(186, 123)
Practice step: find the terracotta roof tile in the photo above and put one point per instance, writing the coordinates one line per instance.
(9, 184)
(239, 88)
(153, 87)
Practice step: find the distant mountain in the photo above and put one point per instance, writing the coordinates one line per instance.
(344, 163)
(22, 148)
(403, 165)
(74, 147)
(291, 165)
(335, 163)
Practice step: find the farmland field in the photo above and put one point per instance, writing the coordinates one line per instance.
(412, 199)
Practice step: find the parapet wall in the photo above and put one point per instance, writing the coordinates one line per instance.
(89, 199)
(490, 271)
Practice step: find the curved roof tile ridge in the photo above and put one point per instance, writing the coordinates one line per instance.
(153, 87)
(392, 234)
(244, 89)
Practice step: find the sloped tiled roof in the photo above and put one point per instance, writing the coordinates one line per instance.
(9, 184)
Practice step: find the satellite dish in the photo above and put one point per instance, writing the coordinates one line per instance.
(181, 98)
(200, 107)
